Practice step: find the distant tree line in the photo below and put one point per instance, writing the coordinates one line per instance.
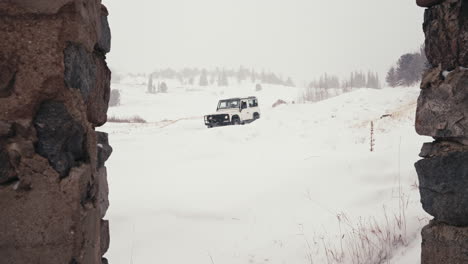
(355, 80)
(222, 76)
(408, 69)
(328, 85)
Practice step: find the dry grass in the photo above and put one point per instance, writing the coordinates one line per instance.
(133, 119)
(368, 240)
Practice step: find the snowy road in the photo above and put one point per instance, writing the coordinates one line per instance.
(268, 192)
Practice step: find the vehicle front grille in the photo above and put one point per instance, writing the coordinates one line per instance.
(218, 119)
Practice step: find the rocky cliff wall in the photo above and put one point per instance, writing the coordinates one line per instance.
(442, 113)
(54, 92)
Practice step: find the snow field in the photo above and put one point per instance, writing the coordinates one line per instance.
(267, 192)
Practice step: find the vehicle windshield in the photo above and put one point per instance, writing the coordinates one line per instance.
(229, 104)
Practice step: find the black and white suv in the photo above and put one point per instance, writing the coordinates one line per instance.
(234, 111)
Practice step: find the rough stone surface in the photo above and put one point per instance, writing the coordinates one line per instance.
(104, 149)
(444, 244)
(88, 72)
(446, 29)
(7, 173)
(428, 3)
(441, 148)
(61, 139)
(7, 78)
(103, 195)
(53, 88)
(442, 110)
(98, 100)
(105, 238)
(442, 113)
(443, 183)
(5, 129)
(80, 69)
(104, 42)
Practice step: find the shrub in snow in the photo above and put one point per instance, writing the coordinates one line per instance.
(163, 87)
(133, 119)
(114, 98)
(258, 87)
(279, 102)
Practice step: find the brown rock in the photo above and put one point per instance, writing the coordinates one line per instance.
(442, 243)
(104, 149)
(428, 3)
(39, 6)
(7, 79)
(443, 183)
(103, 195)
(442, 110)
(98, 101)
(7, 171)
(105, 238)
(441, 148)
(5, 129)
(88, 73)
(61, 139)
(48, 221)
(104, 41)
(446, 29)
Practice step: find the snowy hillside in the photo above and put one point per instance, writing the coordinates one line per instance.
(300, 185)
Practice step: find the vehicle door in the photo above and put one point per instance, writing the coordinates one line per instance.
(245, 111)
(253, 105)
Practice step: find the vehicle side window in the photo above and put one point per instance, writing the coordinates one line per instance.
(244, 104)
(253, 103)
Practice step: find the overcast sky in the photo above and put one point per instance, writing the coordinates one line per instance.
(301, 38)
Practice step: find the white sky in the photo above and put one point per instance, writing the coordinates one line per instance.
(301, 38)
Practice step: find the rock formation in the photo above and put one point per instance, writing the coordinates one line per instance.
(54, 92)
(442, 113)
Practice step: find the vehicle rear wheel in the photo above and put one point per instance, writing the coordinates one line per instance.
(256, 116)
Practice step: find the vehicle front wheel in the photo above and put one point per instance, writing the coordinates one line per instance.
(235, 121)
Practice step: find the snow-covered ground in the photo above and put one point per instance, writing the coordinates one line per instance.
(294, 187)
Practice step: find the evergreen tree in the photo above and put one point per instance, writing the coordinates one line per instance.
(290, 83)
(253, 76)
(203, 78)
(223, 79)
(392, 78)
(150, 84)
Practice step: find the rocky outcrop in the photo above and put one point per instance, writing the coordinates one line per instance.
(442, 106)
(444, 244)
(443, 181)
(60, 138)
(428, 3)
(442, 113)
(446, 30)
(54, 92)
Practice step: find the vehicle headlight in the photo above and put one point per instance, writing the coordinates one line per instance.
(226, 117)
(210, 117)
